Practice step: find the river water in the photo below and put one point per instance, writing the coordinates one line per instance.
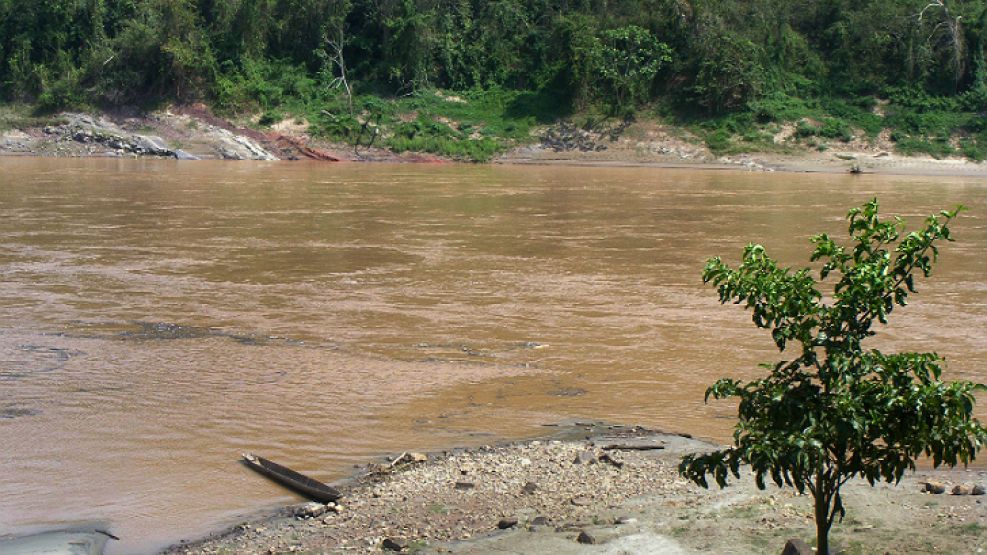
(158, 318)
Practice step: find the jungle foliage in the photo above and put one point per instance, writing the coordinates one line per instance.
(734, 65)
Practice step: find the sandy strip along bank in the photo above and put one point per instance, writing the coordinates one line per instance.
(192, 132)
(593, 488)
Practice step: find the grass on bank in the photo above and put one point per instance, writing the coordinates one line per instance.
(918, 123)
(469, 125)
(477, 125)
(24, 116)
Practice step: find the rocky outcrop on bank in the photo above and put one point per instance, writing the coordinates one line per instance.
(155, 136)
(183, 133)
(625, 142)
(597, 489)
(100, 136)
(187, 132)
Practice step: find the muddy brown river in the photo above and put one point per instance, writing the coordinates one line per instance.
(158, 318)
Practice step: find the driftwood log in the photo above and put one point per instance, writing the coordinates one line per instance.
(624, 447)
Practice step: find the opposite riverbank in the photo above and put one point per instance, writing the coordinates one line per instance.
(595, 488)
(193, 132)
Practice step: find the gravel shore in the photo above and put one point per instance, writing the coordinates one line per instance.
(597, 489)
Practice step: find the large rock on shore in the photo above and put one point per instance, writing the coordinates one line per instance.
(98, 135)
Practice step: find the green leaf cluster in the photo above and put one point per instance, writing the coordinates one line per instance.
(625, 62)
(837, 410)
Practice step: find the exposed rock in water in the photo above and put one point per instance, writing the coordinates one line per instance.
(36, 358)
(182, 155)
(166, 331)
(506, 523)
(237, 147)
(568, 392)
(151, 145)
(16, 412)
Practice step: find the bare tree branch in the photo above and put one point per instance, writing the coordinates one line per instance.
(337, 43)
(953, 39)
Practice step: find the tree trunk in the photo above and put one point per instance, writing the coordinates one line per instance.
(823, 496)
(822, 524)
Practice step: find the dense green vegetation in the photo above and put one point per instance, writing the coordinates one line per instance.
(733, 69)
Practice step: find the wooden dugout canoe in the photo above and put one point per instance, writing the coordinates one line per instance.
(309, 487)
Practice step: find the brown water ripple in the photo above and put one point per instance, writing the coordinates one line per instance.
(321, 314)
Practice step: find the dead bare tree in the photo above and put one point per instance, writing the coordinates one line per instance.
(336, 41)
(951, 30)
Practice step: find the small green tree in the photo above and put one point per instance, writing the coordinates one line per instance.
(837, 411)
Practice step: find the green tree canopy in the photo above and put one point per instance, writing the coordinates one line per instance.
(719, 53)
(626, 61)
(836, 410)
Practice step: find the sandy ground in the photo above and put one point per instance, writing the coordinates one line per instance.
(589, 489)
(193, 132)
(651, 144)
